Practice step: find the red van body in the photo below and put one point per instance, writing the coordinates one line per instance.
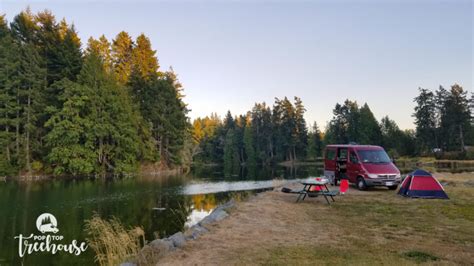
(363, 165)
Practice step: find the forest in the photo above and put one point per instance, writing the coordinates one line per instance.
(265, 135)
(69, 108)
(66, 110)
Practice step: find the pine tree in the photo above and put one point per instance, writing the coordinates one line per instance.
(249, 145)
(162, 106)
(369, 128)
(425, 120)
(263, 132)
(144, 60)
(31, 78)
(94, 131)
(48, 41)
(229, 152)
(70, 142)
(396, 141)
(9, 82)
(301, 141)
(102, 48)
(24, 28)
(315, 144)
(71, 54)
(122, 49)
(455, 118)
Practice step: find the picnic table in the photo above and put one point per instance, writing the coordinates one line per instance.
(323, 190)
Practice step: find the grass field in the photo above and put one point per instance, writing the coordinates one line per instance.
(362, 228)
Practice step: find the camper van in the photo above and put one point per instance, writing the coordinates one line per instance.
(363, 165)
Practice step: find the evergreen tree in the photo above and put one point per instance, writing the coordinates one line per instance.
(249, 145)
(4, 30)
(229, 122)
(395, 141)
(369, 128)
(455, 118)
(9, 82)
(71, 54)
(301, 133)
(122, 50)
(94, 131)
(60, 62)
(425, 120)
(31, 83)
(144, 60)
(102, 48)
(161, 105)
(262, 130)
(24, 28)
(342, 128)
(71, 144)
(315, 143)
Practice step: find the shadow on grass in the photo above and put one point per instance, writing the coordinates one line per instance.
(419, 256)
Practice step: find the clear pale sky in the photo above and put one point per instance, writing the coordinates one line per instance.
(229, 55)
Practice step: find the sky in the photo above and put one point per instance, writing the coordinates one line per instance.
(230, 54)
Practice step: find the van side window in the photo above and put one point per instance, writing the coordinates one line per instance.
(330, 154)
(353, 157)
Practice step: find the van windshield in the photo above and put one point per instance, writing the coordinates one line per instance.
(373, 156)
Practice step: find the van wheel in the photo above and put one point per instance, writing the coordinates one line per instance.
(392, 187)
(361, 184)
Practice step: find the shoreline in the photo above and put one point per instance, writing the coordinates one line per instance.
(270, 228)
(144, 171)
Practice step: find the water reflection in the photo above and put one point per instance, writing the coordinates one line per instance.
(162, 206)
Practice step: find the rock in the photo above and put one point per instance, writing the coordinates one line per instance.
(195, 231)
(217, 215)
(178, 239)
(162, 245)
(227, 205)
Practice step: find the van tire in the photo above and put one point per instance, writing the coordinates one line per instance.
(361, 184)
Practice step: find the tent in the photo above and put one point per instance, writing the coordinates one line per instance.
(421, 184)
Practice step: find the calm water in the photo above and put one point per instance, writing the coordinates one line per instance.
(186, 200)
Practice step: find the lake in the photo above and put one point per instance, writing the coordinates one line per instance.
(186, 199)
(182, 201)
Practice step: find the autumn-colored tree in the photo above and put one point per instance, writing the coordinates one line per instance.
(122, 50)
(144, 59)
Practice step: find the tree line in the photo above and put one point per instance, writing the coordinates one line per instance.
(267, 135)
(444, 120)
(67, 110)
(109, 107)
(262, 136)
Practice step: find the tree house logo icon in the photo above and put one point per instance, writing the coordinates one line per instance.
(47, 223)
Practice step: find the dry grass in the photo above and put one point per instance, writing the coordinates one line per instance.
(112, 243)
(361, 228)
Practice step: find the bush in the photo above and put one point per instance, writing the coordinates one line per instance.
(36, 166)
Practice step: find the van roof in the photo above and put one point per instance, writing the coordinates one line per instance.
(368, 147)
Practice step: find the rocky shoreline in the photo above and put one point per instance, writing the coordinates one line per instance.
(159, 248)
